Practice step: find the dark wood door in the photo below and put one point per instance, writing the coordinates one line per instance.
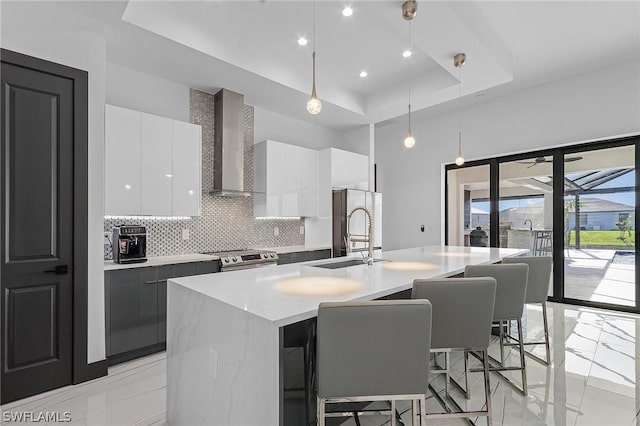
(37, 134)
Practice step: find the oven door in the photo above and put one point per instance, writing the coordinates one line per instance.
(228, 268)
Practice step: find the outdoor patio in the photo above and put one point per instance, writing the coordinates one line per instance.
(600, 276)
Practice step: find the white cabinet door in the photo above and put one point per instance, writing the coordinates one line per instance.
(349, 170)
(308, 183)
(122, 161)
(156, 165)
(186, 169)
(288, 177)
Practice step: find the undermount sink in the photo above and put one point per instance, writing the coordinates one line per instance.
(344, 263)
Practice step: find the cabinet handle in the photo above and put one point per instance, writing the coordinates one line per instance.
(151, 282)
(161, 281)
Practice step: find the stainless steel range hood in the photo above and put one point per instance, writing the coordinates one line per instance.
(228, 145)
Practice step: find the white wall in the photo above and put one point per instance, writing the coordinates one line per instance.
(135, 90)
(50, 32)
(595, 105)
(356, 140)
(282, 128)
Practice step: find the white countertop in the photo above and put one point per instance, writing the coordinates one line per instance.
(261, 291)
(294, 249)
(161, 260)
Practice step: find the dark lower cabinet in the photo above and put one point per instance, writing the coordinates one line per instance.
(303, 256)
(163, 274)
(136, 307)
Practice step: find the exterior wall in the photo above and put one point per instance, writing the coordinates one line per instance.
(599, 221)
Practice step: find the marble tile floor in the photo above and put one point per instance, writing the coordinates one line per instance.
(593, 381)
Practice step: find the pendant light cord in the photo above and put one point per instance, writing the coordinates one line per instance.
(410, 73)
(459, 110)
(314, 40)
(314, 48)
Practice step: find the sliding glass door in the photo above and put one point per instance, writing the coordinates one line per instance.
(468, 206)
(599, 229)
(577, 204)
(525, 205)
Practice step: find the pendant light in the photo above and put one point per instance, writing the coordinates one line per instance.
(458, 61)
(314, 106)
(410, 141)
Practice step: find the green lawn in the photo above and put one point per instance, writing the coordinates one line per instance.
(603, 238)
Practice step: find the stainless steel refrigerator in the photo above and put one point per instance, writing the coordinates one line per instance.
(344, 201)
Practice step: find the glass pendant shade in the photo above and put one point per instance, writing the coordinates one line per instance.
(409, 141)
(314, 106)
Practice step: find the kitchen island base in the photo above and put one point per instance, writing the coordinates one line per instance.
(230, 334)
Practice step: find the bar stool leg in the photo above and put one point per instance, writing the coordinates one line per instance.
(321, 413)
(447, 363)
(467, 394)
(415, 417)
(487, 386)
(394, 421)
(546, 332)
(522, 362)
(423, 411)
(501, 342)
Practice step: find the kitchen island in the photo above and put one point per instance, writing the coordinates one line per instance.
(226, 331)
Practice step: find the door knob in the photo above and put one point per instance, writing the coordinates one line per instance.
(58, 270)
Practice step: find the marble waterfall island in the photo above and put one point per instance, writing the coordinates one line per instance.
(226, 331)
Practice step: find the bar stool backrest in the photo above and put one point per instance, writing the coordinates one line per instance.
(373, 348)
(539, 276)
(511, 287)
(462, 311)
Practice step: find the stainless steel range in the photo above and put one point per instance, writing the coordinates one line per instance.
(245, 259)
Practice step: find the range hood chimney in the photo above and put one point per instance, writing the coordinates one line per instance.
(228, 145)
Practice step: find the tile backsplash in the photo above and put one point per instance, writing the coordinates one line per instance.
(226, 223)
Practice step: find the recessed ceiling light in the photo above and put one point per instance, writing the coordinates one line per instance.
(347, 11)
(302, 41)
(363, 74)
(406, 53)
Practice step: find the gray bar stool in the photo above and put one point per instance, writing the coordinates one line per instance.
(510, 293)
(537, 291)
(373, 351)
(461, 321)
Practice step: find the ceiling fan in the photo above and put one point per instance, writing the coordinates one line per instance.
(540, 160)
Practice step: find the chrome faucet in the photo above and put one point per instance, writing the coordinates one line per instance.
(360, 238)
(530, 224)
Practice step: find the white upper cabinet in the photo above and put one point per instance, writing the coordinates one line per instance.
(286, 180)
(156, 166)
(186, 169)
(122, 161)
(152, 165)
(349, 170)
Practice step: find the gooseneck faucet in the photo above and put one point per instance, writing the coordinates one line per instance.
(530, 224)
(360, 238)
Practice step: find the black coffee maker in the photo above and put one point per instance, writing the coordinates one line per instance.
(129, 244)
